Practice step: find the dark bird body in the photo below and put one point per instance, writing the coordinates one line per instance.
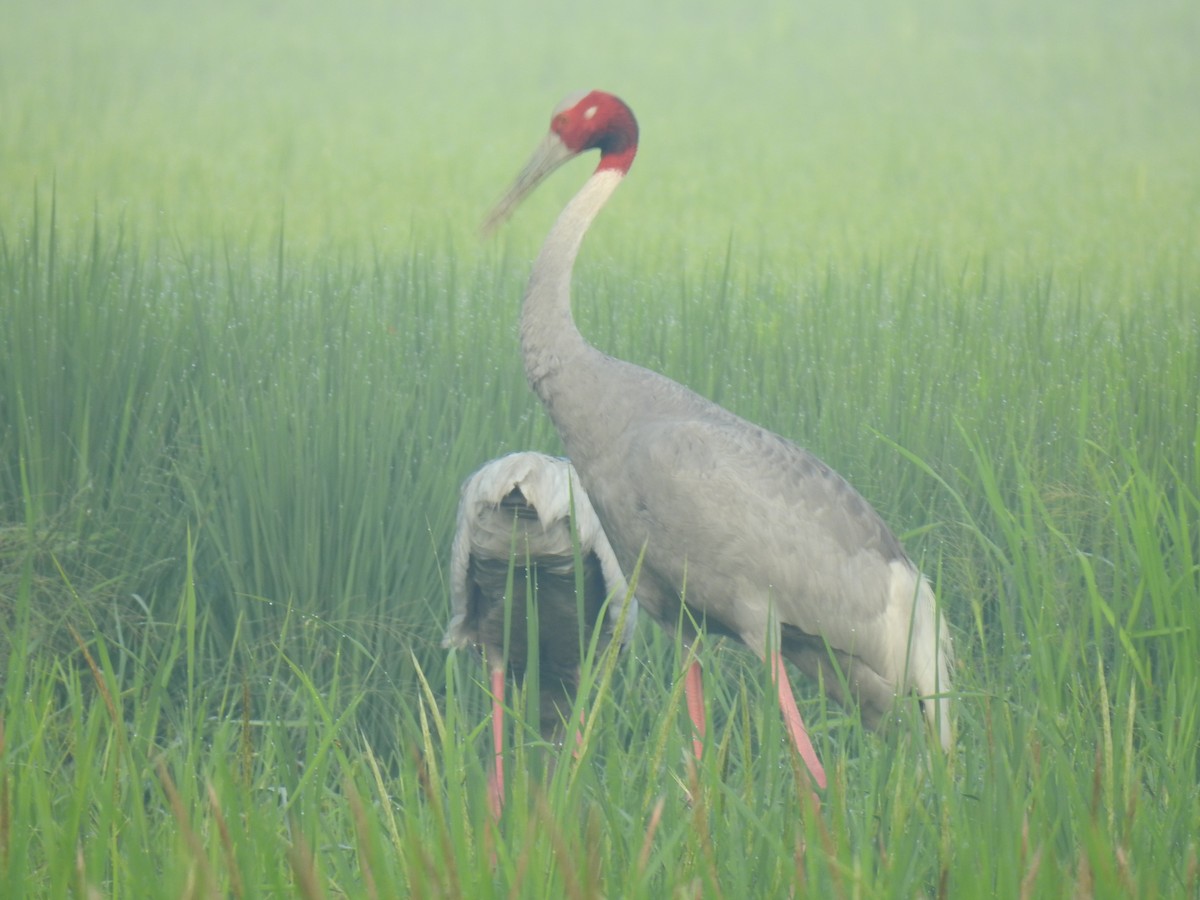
(515, 520)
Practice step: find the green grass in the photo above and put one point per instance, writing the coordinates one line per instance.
(250, 346)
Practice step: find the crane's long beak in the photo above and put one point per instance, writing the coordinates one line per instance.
(550, 154)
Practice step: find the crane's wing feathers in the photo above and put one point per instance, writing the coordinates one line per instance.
(742, 493)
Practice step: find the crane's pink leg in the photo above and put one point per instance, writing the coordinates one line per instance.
(579, 733)
(694, 689)
(496, 778)
(791, 717)
(582, 722)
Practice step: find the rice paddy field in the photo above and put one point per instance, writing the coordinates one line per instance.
(251, 342)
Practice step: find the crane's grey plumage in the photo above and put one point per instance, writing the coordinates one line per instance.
(756, 536)
(515, 516)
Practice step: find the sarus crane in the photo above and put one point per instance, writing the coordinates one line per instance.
(740, 532)
(514, 531)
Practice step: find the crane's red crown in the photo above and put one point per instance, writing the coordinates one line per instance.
(598, 121)
(589, 121)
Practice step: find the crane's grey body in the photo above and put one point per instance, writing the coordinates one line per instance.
(515, 516)
(757, 536)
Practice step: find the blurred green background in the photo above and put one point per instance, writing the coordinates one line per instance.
(1062, 134)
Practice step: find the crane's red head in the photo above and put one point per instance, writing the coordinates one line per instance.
(590, 121)
(598, 121)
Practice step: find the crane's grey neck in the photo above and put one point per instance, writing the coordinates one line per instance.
(549, 339)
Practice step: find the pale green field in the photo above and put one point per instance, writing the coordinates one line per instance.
(250, 344)
(1029, 134)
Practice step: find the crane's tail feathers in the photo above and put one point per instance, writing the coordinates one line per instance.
(925, 663)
